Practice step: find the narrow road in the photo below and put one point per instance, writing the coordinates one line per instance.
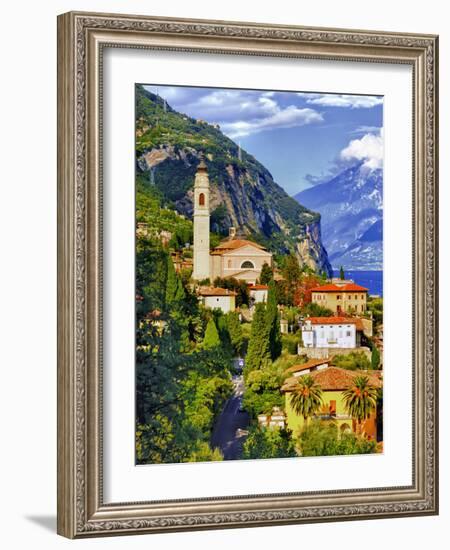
(226, 435)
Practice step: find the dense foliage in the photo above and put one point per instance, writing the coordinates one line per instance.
(269, 443)
(355, 360)
(182, 375)
(323, 439)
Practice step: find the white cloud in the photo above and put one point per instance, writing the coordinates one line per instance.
(230, 105)
(369, 149)
(289, 117)
(342, 100)
(366, 130)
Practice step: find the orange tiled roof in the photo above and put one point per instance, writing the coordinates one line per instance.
(234, 244)
(331, 320)
(308, 365)
(347, 287)
(336, 379)
(215, 291)
(258, 287)
(337, 321)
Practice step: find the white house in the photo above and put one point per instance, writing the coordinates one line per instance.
(330, 332)
(221, 298)
(258, 293)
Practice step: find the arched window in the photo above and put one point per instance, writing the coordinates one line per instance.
(247, 265)
(201, 199)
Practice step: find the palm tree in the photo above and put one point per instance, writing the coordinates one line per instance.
(360, 399)
(306, 399)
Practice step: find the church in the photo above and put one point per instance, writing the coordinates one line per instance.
(234, 257)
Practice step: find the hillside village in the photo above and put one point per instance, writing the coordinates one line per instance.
(246, 353)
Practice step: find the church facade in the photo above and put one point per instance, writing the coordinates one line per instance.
(234, 257)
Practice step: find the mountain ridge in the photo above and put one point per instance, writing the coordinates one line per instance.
(351, 205)
(243, 192)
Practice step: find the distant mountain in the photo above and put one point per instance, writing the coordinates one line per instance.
(243, 192)
(351, 205)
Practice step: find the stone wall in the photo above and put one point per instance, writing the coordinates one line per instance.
(323, 353)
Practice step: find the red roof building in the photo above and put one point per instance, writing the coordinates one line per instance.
(345, 297)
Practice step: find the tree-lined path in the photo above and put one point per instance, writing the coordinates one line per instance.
(226, 436)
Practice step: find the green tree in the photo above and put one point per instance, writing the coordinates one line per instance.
(262, 391)
(268, 443)
(273, 322)
(323, 439)
(290, 342)
(341, 273)
(174, 287)
(204, 453)
(212, 338)
(266, 274)
(375, 359)
(235, 331)
(258, 353)
(315, 310)
(306, 399)
(360, 399)
(291, 272)
(375, 305)
(355, 360)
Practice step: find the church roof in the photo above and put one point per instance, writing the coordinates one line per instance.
(234, 244)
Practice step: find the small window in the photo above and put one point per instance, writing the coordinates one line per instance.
(348, 333)
(247, 265)
(338, 297)
(229, 263)
(356, 296)
(201, 199)
(362, 296)
(333, 407)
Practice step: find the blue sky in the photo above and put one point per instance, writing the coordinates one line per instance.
(302, 138)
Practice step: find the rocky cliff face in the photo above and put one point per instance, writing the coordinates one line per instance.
(243, 192)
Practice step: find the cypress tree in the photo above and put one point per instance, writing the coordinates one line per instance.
(266, 274)
(174, 287)
(341, 273)
(235, 331)
(375, 359)
(273, 322)
(258, 354)
(212, 338)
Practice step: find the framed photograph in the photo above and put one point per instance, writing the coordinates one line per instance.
(247, 282)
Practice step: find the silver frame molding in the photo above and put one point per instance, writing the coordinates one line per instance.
(81, 38)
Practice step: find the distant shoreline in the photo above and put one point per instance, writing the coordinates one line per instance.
(372, 279)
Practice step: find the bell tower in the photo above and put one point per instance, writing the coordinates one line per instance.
(201, 223)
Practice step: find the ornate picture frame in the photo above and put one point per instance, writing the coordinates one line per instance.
(82, 38)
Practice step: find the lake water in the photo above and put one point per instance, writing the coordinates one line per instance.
(373, 280)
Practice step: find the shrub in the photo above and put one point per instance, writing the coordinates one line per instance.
(269, 443)
(356, 360)
(323, 439)
(290, 342)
